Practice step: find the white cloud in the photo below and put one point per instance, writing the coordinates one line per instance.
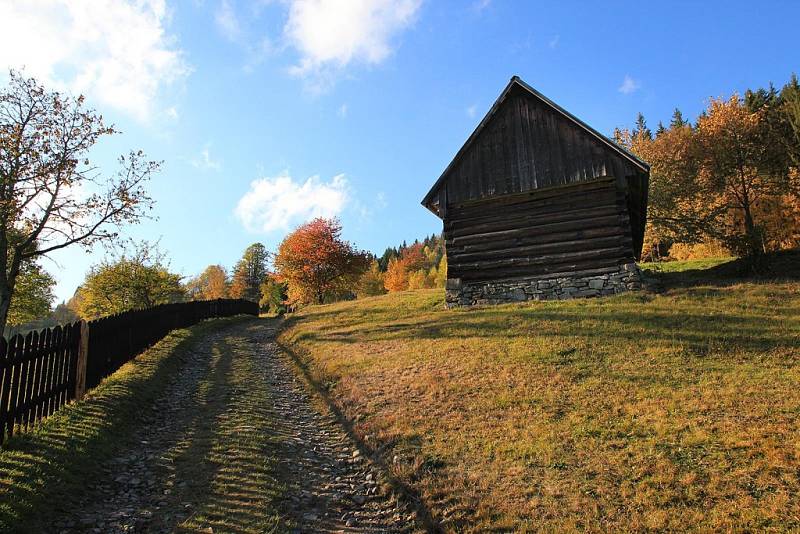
(472, 111)
(480, 5)
(242, 29)
(629, 85)
(227, 22)
(330, 34)
(117, 52)
(205, 161)
(279, 202)
(342, 111)
(553, 43)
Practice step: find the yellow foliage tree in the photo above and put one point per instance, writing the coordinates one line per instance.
(417, 279)
(396, 278)
(723, 180)
(371, 282)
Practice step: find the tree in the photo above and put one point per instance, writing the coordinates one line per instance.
(249, 273)
(314, 262)
(33, 296)
(211, 284)
(677, 120)
(273, 295)
(441, 272)
(138, 281)
(789, 117)
(396, 277)
(371, 282)
(739, 164)
(723, 179)
(675, 212)
(63, 314)
(641, 127)
(50, 193)
(388, 254)
(397, 274)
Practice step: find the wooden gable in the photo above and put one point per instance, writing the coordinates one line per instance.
(527, 142)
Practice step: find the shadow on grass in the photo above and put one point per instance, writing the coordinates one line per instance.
(405, 491)
(694, 328)
(44, 473)
(226, 458)
(781, 266)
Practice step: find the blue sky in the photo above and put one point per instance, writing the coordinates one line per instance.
(267, 113)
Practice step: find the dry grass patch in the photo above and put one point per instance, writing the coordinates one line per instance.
(638, 412)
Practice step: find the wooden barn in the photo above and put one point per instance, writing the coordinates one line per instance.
(539, 205)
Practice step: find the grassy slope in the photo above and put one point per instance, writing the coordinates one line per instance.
(41, 470)
(676, 410)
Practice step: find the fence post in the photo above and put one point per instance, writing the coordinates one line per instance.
(80, 368)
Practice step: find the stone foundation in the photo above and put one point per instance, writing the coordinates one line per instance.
(626, 278)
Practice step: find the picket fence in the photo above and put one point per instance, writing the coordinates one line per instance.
(44, 370)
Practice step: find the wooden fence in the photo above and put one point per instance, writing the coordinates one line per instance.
(42, 371)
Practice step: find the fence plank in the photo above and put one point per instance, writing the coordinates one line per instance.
(55, 340)
(5, 386)
(80, 372)
(22, 387)
(10, 379)
(44, 370)
(41, 384)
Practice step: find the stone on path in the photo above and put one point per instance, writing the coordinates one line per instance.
(319, 480)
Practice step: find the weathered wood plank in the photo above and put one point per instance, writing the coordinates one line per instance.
(544, 271)
(530, 219)
(555, 237)
(610, 220)
(613, 240)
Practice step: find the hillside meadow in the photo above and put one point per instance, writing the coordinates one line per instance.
(669, 409)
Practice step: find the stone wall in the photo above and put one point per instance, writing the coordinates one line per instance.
(627, 278)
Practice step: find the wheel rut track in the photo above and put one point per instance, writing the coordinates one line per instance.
(236, 444)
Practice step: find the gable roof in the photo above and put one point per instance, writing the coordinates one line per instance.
(517, 82)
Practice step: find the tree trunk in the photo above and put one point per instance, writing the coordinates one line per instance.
(755, 243)
(753, 237)
(5, 305)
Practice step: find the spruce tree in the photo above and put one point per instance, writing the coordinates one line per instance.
(641, 127)
(677, 119)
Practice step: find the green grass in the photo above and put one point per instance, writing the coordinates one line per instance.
(682, 266)
(675, 410)
(41, 472)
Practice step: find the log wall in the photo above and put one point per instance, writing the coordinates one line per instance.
(565, 231)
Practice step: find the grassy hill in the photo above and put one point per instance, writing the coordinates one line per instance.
(668, 410)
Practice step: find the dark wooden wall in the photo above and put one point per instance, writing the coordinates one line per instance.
(580, 228)
(528, 145)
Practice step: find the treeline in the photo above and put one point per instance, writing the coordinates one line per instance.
(136, 279)
(316, 266)
(421, 265)
(311, 265)
(727, 183)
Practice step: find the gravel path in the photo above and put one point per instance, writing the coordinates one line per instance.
(236, 445)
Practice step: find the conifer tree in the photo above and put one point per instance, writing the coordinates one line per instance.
(641, 128)
(677, 119)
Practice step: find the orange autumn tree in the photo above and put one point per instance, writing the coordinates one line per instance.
(397, 272)
(724, 180)
(211, 284)
(316, 263)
